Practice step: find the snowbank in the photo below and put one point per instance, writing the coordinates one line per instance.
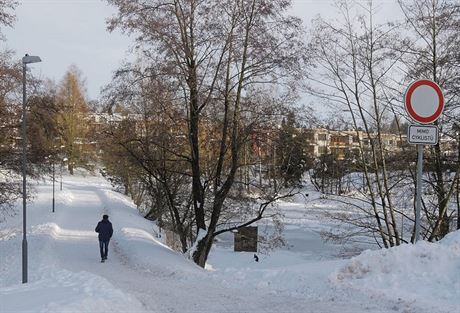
(281, 273)
(63, 291)
(427, 274)
(143, 251)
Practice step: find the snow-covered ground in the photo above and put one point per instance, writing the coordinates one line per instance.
(144, 275)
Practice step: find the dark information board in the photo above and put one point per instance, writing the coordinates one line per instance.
(245, 239)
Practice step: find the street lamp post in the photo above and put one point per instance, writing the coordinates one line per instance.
(62, 161)
(54, 172)
(62, 164)
(27, 59)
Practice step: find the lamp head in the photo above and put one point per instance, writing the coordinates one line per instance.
(30, 59)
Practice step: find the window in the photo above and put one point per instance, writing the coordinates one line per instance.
(322, 150)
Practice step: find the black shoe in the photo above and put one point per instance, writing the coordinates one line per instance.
(102, 261)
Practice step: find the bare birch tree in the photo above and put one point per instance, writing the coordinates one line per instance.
(353, 61)
(431, 53)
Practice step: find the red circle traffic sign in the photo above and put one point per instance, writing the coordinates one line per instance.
(424, 101)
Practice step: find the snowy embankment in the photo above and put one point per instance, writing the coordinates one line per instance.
(144, 275)
(426, 274)
(64, 291)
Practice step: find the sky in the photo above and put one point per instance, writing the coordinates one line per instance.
(73, 32)
(65, 33)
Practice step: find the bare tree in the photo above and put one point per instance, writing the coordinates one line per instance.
(10, 77)
(221, 57)
(7, 16)
(72, 119)
(432, 54)
(152, 161)
(40, 131)
(354, 61)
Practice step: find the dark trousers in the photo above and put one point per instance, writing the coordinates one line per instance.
(104, 247)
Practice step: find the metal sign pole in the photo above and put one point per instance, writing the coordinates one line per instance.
(418, 194)
(424, 103)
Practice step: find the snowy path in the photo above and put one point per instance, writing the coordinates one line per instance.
(142, 275)
(73, 246)
(68, 241)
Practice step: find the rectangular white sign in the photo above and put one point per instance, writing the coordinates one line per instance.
(422, 134)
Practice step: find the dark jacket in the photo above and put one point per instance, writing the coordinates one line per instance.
(105, 230)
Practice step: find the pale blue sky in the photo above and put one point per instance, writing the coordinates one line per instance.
(66, 32)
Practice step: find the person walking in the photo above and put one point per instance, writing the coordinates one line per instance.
(105, 230)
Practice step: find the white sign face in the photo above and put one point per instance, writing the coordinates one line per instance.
(422, 134)
(424, 101)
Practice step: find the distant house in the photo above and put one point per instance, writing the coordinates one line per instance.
(342, 144)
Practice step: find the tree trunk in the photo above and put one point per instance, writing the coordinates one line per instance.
(441, 194)
(458, 203)
(197, 190)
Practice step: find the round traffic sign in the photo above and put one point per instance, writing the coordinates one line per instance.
(424, 101)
